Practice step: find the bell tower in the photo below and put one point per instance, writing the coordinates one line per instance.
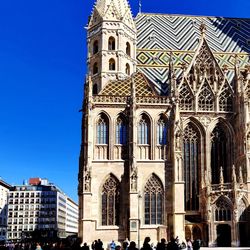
(111, 42)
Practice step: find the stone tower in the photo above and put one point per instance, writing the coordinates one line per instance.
(111, 42)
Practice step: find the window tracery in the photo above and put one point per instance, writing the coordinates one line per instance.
(102, 130)
(191, 146)
(153, 203)
(143, 130)
(186, 98)
(121, 131)
(219, 154)
(110, 202)
(226, 100)
(162, 131)
(206, 98)
(222, 211)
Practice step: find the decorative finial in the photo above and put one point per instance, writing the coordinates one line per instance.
(234, 180)
(241, 177)
(221, 176)
(140, 6)
(203, 28)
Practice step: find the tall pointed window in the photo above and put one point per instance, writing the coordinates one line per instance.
(95, 89)
(112, 64)
(191, 146)
(143, 130)
(162, 131)
(121, 131)
(110, 202)
(95, 47)
(127, 69)
(219, 154)
(111, 43)
(128, 49)
(153, 201)
(102, 130)
(95, 68)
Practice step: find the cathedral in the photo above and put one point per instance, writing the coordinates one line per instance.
(166, 128)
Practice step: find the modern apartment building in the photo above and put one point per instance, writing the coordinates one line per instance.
(4, 189)
(71, 217)
(37, 209)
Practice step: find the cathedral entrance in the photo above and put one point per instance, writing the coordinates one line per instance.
(243, 234)
(223, 235)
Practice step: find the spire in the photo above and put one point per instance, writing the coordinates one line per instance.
(140, 5)
(112, 8)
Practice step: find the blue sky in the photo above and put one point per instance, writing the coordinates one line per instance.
(42, 70)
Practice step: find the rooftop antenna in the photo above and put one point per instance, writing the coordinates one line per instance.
(139, 6)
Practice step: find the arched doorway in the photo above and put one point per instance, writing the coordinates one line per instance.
(223, 235)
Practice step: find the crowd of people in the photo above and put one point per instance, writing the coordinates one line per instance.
(173, 244)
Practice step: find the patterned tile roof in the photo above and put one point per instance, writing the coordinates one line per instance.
(160, 36)
(123, 87)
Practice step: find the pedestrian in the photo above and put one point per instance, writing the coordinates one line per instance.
(146, 245)
(161, 245)
(112, 245)
(189, 244)
(132, 246)
(38, 246)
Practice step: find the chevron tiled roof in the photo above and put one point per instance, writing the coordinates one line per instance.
(123, 87)
(161, 35)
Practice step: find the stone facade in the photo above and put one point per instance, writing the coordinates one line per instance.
(165, 145)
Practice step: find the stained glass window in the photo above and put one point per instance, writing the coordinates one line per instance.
(110, 202)
(102, 130)
(191, 146)
(121, 131)
(161, 132)
(143, 130)
(153, 201)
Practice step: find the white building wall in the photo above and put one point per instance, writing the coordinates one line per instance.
(4, 189)
(72, 215)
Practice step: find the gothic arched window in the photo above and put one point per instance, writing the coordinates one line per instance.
(153, 201)
(226, 100)
(112, 64)
(102, 130)
(186, 98)
(162, 131)
(206, 98)
(111, 43)
(95, 47)
(127, 69)
(121, 131)
(95, 89)
(191, 146)
(144, 130)
(95, 68)
(128, 49)
(110, 202)
(219, 154)
(222, 210)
